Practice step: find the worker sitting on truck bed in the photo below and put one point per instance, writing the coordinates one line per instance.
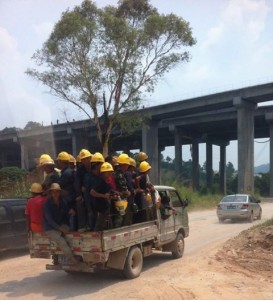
(67, 185)
(90, 181)
(50, 173)
(144, 191)
(123, 161)
(102, 194)
(34, 208)
(56, 220)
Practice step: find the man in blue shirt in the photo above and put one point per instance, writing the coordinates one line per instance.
(55, 220)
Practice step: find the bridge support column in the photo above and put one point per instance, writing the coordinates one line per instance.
(269, 118)
(24, 155)
(245, 127)
(150, 146)
(222, 170)
(178, 155)
(209, 172)
(195, 165)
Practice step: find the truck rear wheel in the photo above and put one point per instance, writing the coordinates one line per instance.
(179, 246)
(133, 264)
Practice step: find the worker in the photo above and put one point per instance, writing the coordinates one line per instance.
(90, 180)
(113, 161)
(144, 190)
(67, 185)
(51, 174)
(142, 156)
(130, 177)
(123, 161)
(85, 157)
(72, 162)
(56, 220)
(34, 208)
(103, 194)
(78, 162)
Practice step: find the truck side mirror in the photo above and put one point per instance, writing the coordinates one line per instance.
(185, 202)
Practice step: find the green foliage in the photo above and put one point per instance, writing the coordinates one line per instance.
(13, 183)
(262, 184)
(196, 200)
(32, 125)
(12, 174)
(9, 130)
(103, 60)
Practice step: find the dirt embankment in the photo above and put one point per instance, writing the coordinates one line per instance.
(251, 252)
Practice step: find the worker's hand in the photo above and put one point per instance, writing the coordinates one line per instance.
(72, 212)
(106, 196)
(127, 193)
(79, 198)
(63, 230)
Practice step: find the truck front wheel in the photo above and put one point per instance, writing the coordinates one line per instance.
(133, 264)
(179, 246)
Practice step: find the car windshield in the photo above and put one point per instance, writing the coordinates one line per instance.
(235, 198)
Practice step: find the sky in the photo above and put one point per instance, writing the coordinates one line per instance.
(234, 49)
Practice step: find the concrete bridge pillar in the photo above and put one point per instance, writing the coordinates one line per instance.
(24, 155)
(178, 155)
(269, 118)
(222, 169)
(150, 146)
(195, 166)
(245, 127)
(209, 171)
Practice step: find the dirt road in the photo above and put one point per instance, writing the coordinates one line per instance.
(198, 275)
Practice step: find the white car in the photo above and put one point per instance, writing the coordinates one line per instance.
(239, 206)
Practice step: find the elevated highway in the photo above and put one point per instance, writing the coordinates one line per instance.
(214, 119)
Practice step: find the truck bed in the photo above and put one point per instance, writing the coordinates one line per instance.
(95, 246)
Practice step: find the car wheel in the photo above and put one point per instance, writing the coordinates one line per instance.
(250, 219)
(259, 215)
(179, 246)
(133, 264)
(221, 220)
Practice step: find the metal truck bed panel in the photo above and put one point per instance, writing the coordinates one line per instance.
(108, 240)
(122, 237)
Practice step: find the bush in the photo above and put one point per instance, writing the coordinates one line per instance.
(12, 174)
(13, 183)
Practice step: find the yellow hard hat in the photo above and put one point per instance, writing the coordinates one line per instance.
(132, 162)
(121, 206)
(106, 167)
(144, 167)
(142, 156)
(63, 156)
(97, 157)
(36, 188)
(123, 159)
(72, 159)
(46, 161)
(84, 153)
(44, 158)
(78, 159)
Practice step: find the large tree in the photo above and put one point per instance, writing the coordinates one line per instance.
(103, 60)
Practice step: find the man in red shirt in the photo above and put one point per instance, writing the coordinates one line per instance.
(34, 208)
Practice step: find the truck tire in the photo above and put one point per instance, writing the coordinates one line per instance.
(179, 246)
(133, 264)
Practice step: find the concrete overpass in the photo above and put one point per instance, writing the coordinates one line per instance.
(214, 119)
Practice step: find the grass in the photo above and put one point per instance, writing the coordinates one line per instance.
(16, 189)
(196, 200)
(267, 223)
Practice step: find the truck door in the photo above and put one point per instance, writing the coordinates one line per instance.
(166, 217)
